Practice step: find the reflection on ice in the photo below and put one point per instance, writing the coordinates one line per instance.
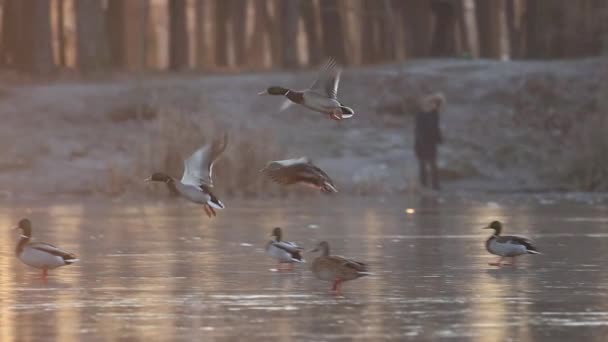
(174, 275)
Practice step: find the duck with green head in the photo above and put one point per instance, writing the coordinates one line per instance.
(321, 97)
(285, 252)
(196, 182)
(507, 246)
(40, 255)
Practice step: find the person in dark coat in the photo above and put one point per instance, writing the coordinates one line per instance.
(427, 136)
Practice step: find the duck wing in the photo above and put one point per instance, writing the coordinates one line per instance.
(53, 250)
(519, 240)
(328, 80)
(296, 170)
(289, 247)
(350, 263)
(198, 169)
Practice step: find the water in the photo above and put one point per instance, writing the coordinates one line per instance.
(164, 271)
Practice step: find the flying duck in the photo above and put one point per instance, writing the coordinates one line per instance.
(335, 268)
(196, 182)
(321, 97)
(39, 254)
(285, 252)
(299, 170)
(507, 246)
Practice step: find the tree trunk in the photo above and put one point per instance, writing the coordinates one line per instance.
(444, 41)
(333, 37)
(489, 27)
(417, 15)
(309, 16)
(11, 31)
(91, 40)
(290, 15)
(200, 39)
(115, 24)
(178, 35)
(61, 32)
(222, 8)
(368, 40)
(256, 47)
(238, 20)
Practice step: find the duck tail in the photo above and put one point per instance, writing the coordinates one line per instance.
(70, 261)
(530, 251)
(347, 112)
(327, 187)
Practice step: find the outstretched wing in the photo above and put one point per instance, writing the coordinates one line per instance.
(328, 80)
(198, 169)
(54, 250)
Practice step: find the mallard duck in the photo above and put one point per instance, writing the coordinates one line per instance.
(299, 170)
(38, 254)
(196, 182)
(322, 96)
(285, 252)
(335, 268)
(507, 246)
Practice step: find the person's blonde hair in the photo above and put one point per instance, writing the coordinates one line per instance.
(430, 102)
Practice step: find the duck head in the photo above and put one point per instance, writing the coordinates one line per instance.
(275, 91)
(277, 233)
(323, 246)
(26, 227)
(496, 225)
(158, 177)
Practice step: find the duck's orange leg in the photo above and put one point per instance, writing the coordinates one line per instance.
(207, 210)
(45, 274)
(497, 262)
(336, 286)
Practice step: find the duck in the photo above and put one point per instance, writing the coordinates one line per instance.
(321, 97)
(336, 269)
(196, 183)
(40, 255)
(507, 246)
(285, 252)
(299, 171)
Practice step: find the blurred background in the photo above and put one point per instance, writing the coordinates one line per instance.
(95, 95)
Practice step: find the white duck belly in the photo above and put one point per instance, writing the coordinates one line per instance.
(506, 249)
(192, 193)
(40, 259)
(279, 254)
(321, 103)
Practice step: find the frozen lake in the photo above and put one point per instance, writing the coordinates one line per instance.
(164, 271)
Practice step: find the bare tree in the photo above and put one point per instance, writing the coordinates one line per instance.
(238, 21)
(446, 28)
(91, 40)
(417, 21)
(61, 32)
(115, 24)
(200, 32)
(309, 16)
(221, 31)
(178, 35)
(290, 15)
(333, 35)
(490, 28)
